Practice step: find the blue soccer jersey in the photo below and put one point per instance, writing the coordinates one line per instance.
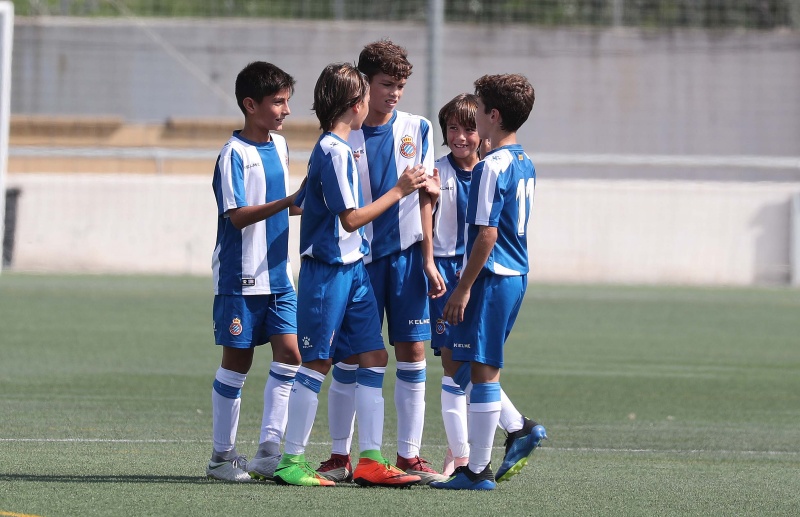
(501, 195)
(332, 186)
(383, 154)
(449, 219)
(255, 259)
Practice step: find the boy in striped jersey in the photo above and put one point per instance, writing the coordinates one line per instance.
(457, 122)
(400, 261)
(254, 298)
(337, 312)
(485, 302)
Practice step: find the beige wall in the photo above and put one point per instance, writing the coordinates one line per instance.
(581, 231)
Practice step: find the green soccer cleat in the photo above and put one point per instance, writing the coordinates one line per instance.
(295, 470)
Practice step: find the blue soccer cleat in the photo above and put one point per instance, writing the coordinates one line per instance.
(520, 445)
(464, 479)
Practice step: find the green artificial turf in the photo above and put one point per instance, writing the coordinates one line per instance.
(657, 401)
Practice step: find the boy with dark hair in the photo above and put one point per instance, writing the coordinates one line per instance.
(400, 258)
(337, 313)
(254, 298)
(485, 302)
(457, 122)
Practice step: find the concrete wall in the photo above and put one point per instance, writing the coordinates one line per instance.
(581, 231)
(626, 91)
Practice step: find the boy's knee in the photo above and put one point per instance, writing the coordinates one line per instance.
(409, 351)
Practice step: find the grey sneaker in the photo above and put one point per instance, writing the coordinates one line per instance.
(231, 470)
(266, 461)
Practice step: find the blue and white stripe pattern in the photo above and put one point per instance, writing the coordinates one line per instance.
(332, 187)
(255, 259)
(449, 218)
(501, 195)
(383, 153)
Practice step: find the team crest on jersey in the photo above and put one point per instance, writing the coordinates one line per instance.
(236, 327)
(407, 147)
(440, 327)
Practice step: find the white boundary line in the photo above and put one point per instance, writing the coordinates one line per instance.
(563, 449)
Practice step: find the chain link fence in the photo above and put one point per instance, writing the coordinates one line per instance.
(726, 14)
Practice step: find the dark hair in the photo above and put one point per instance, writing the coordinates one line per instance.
(462, 108)
(258, 80)
(386, 57)
(340, 87)
(510, 94)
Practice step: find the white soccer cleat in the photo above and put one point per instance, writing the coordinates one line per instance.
(234, 470)
(264, 467)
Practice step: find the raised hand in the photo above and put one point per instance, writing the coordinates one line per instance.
(412, 179)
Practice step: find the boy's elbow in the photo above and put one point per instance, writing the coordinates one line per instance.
(349, 220)
(236, 219)
(349, 227)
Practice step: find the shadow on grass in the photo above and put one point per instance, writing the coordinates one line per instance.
(72, 478)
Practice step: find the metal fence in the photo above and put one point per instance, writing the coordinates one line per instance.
(750, 14)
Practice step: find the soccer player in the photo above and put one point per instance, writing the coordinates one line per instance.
(400, 258)
(457, 122)
(254, 297)
(485, 302)
(337, 312)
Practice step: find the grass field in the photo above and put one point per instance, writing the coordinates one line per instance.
(657, 401)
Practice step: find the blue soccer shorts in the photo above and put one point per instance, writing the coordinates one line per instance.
(336, 312)
(249, 321)
(493, 306)
(401, 290)
(440, 330)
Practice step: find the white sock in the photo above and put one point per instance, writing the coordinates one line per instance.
(409, 398)
(369, 408)
(484, 415)
(342, 407)
(303, 404)
(454, 416)
(276, 401)
(225, 403)
(510, 419)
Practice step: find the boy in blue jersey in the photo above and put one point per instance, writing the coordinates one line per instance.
(485, 302)
(457, 121)
(400, 259)
(337, 313)
(254, 298)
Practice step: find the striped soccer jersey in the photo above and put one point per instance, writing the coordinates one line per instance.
(383, 153)
(332, 187)
(501, 195)
(255, 259)
(449, 218)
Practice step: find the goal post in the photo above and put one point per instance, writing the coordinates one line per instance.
(6, 42)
